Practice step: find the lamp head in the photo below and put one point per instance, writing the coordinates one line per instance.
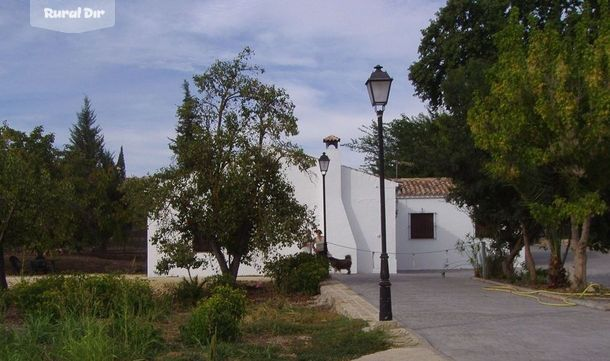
(324, 161)
(378, 85)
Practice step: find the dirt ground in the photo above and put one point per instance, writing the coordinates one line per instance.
(128, 262)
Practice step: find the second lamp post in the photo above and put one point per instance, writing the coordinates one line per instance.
(378, 86)
(324, 162)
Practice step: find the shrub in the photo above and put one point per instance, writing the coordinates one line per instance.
(190, 291)
(96, 296)
(219, 280)
(300, 273)
(219, 315)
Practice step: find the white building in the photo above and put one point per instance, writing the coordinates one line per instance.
(428, 226)
(421, 227)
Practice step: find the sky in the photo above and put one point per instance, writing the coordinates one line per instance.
(321, 52)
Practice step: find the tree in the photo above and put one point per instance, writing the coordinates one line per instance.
(120, 166)
(33, 197)
(456, 50)
(547, 113)
(226, 193)
(95, 178)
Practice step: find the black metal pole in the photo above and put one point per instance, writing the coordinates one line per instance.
(385, 294)
(324, 211)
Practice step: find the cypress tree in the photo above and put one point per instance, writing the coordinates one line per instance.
(120, 165)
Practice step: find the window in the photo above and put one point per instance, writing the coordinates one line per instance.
(422, 225)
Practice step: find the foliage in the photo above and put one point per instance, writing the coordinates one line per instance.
(136, 201)
(190, 291)
(471, 248)
(33, 196)
(219, 280)
(547, 113)
(93, 296)
(274, 329)
(80, 338)
(219, 315)
(331, 336)
(300, 273)
(91, 170)
(456, 51)
(458, 47)
(120, 165)
(227, 194)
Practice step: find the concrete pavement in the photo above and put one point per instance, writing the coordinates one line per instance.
(408, 345)
(464, 322)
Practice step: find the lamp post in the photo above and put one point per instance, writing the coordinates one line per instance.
(324, 162)
(378, 85)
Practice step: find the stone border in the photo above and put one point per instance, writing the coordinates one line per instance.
(408, 345)
(601, 306)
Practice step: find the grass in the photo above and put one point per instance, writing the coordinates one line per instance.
(281, 329)
(275, 328)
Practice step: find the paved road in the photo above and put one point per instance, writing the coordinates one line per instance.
(465, 322)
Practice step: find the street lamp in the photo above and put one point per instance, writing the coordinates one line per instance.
(378, 85)
(324, 162)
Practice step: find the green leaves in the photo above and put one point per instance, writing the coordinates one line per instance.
(226, 194)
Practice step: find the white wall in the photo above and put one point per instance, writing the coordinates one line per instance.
(353, 217)
(308, 191)
(360, 195)
(340, 236)
(451, 224)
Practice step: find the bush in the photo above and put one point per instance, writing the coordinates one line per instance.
(190, 291)
(219, 315)
(219, 280)
(300, 273)
(95, 296)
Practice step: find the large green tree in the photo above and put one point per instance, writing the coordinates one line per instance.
(226, 193)
(456, 50)
(95, 178)
(548, 112)
(33, 195)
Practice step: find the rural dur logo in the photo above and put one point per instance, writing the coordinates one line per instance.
(72, 16)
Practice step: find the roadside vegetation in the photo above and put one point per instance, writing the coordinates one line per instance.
(115, 318)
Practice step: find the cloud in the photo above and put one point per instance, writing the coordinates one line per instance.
(320, 51)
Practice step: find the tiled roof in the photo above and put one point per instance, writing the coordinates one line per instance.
(423, 187)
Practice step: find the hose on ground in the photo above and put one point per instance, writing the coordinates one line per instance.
(589, 291)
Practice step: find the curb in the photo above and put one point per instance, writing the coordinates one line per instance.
(407, 344)
(601, 306)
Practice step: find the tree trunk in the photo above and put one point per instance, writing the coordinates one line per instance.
(220, 258)
(234, 267)
(579, 248)
(557, 274)
(5, 223)
(3, 283)
(565, 254)
(529, 259)
(508, 267)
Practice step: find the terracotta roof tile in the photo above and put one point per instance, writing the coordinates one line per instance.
(423, 187)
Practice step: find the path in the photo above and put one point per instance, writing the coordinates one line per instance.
(465, 322)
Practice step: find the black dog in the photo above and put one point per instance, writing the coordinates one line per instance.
(339, 264)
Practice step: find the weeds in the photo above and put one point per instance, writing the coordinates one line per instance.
(95, 296)
(128, 326)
